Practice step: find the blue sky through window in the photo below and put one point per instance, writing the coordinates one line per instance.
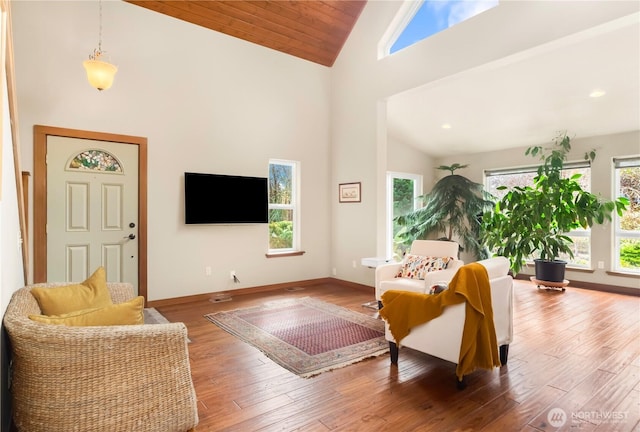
(437, 15)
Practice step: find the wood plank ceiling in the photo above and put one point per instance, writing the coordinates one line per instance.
(311, 30)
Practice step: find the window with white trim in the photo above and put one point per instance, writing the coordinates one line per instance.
(523, 176)
(284, 204)
(627, 226)
(403, 190)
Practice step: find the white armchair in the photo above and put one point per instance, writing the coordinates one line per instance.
(442, 336)
(386, 274)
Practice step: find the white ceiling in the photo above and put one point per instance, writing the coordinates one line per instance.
(527, 98)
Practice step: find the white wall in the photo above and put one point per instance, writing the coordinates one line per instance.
(362, 83)
(407, 159)
(206, 102)
(11, 270)
(209, 102)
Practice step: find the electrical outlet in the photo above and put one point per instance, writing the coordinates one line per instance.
(232, 275)
(353, 264)
(600, 264)
(207, 270)
(334, 271)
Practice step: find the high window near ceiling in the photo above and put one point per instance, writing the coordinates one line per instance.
(284, 204)
(627, 226)
(512, 177)
(417, 20)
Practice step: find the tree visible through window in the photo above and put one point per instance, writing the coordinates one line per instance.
(627, 238)
(402, 191)
(282, 205)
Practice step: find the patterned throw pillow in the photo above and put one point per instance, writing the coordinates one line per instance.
(417, 266)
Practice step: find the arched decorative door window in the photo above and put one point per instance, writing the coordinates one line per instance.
(95, 160)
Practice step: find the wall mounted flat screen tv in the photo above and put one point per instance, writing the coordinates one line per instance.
(224, 199)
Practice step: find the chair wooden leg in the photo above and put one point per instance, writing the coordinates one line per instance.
(393, 351)
(504, 354)
(461, 384)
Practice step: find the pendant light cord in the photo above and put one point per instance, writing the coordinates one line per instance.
(100, 28)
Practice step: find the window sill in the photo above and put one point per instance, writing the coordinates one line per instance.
(581, 269)
(283, 254)
(589, 270)
(569, 268)
(623, 274)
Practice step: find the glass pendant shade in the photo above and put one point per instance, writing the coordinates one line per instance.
(100, 74)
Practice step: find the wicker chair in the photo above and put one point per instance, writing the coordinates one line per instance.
(116, 378)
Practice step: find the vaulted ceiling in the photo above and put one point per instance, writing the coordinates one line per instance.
(532, 97)
(311, 30)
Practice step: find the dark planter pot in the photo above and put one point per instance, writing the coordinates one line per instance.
(550, 271)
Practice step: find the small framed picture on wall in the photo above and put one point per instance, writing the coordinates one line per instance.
(349, 192)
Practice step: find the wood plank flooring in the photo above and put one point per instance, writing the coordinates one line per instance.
(577, 351)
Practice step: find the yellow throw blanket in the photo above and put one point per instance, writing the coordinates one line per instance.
(479, 348)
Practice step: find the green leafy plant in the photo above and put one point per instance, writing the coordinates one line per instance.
(630, 254)
(451, 210)
(536, 218)
(280, 234)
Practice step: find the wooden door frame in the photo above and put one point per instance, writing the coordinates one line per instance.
(40, 134)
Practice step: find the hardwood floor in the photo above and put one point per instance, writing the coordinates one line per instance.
(578, 351)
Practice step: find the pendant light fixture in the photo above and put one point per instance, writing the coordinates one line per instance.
(99, 73)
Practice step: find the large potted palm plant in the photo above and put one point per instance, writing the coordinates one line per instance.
(451, 211)
(535, 219)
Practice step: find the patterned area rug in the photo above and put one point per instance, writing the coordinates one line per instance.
(305, 335)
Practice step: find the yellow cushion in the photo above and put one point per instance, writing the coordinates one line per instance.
(92, 293)
(127, 313)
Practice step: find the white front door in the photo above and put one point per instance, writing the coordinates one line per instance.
(92, 209)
